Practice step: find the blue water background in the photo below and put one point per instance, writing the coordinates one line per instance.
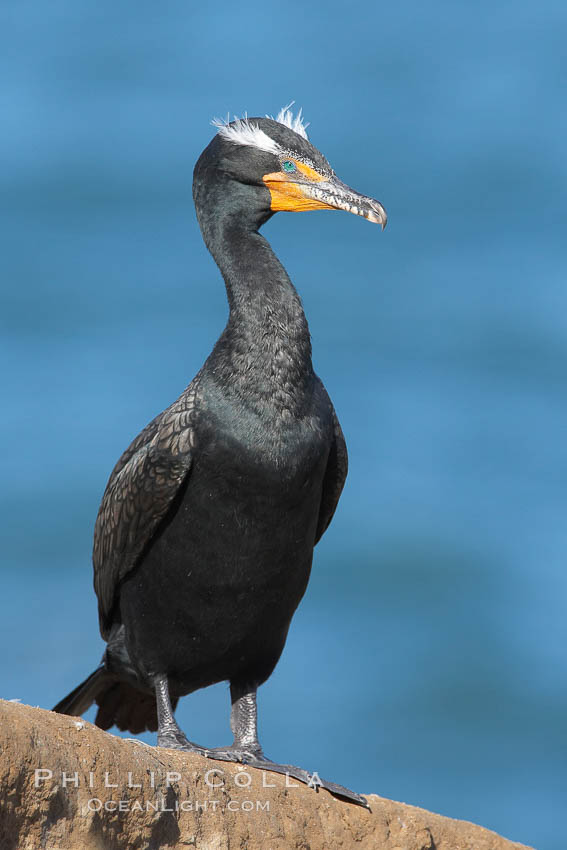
(427, 660)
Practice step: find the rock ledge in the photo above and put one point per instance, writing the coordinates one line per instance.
(66, 785)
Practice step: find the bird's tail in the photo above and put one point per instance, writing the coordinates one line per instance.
(119, 703)
(83, 696)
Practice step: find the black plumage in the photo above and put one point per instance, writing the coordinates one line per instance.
(204, 539)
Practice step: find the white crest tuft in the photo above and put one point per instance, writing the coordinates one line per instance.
(243, 132)
(297, 124)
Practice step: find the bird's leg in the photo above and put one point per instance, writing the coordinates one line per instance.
(244, 722)
(169, 733)
(246, 748)
(244, 725)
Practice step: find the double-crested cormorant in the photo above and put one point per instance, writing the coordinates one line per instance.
(204, 539)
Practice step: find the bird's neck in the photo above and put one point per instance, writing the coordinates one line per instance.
(266, 343)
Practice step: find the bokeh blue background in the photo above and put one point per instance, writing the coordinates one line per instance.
(427, 661)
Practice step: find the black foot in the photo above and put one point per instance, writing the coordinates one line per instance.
(254, 757)
(311, 779)
(243, 755)
(174, 739)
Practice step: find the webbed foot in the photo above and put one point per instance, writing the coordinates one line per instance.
(174, 739)
(256, 758)
(246, 748)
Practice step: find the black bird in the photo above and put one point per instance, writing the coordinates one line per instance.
(204, 539)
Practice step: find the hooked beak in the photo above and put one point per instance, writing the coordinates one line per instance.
(300, 193)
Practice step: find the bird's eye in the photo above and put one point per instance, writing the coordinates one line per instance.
(289, 166)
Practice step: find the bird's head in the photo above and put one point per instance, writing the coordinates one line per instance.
(273, 167)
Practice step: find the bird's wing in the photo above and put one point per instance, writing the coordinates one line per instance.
(140, 490)
(334, 480)
(144, 437)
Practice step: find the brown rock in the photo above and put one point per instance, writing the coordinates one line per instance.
(57, 779)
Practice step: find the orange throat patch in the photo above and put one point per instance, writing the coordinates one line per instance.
(288, 196)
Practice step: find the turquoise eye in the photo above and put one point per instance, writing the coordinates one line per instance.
(288, 166)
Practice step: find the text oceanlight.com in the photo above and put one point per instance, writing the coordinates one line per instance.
(243, 780)
(162, 805)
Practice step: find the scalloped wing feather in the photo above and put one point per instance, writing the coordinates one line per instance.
(138, 496)
(334, 480)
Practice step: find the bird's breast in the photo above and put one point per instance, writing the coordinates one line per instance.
(280, 447)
